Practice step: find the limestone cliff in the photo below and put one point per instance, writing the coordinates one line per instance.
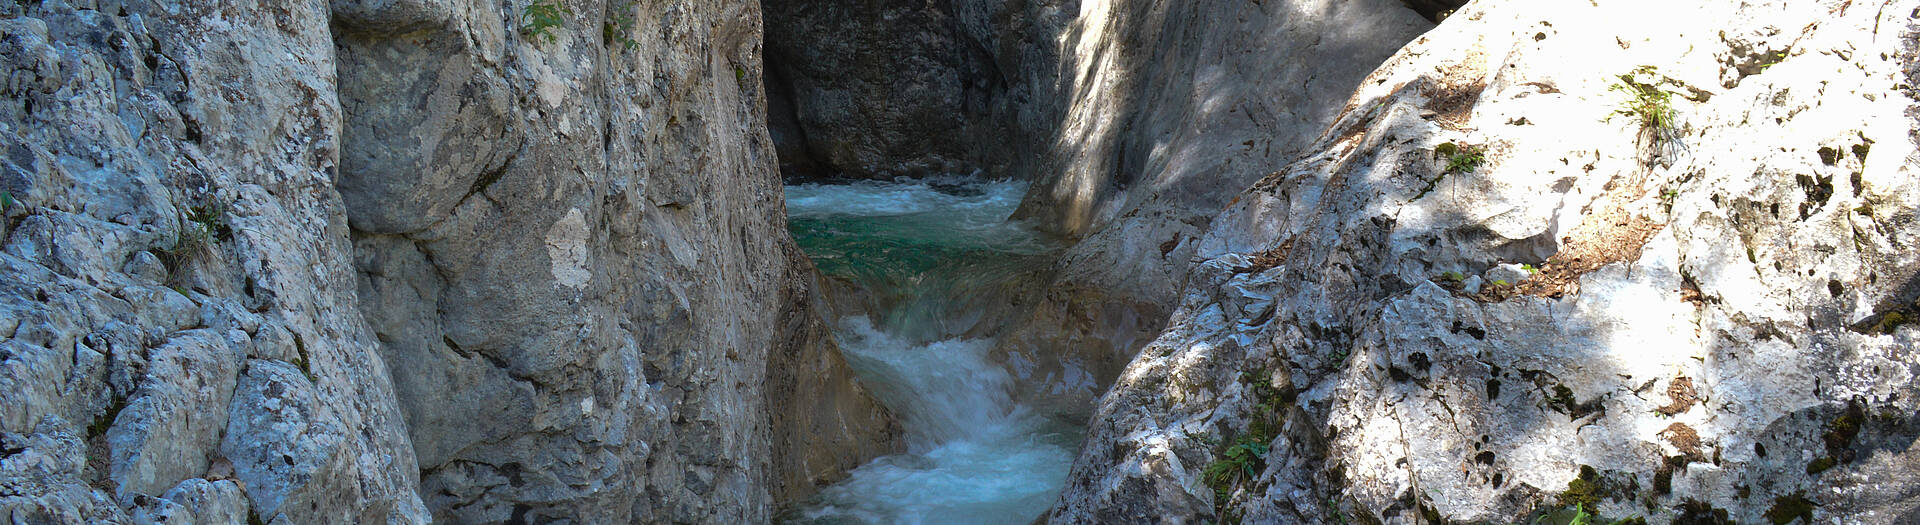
(1643, 258)
(403, 261)
(1164, 110)
(915, 88)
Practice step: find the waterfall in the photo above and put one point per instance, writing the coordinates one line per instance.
(934, 256)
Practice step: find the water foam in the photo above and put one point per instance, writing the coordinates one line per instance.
(974, 455)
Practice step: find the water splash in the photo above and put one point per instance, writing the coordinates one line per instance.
(974, 455)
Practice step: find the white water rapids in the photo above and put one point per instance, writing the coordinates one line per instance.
(974, 455)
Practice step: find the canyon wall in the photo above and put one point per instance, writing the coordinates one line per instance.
(918, 88)
(1136, 121)
(1164, 111)
(1642, 259)
(404, 261)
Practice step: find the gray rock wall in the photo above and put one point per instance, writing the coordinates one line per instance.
(1711, 323)
(1162, 112)
(879, 90)
(401, 261)
(180, 324)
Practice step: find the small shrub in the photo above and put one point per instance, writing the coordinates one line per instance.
(542, 16)
(209, 221)
(1648, 103)
(1461, 158)
(200, 227)
(1240, 462)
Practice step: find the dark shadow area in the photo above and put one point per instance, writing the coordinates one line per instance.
(1434, 10)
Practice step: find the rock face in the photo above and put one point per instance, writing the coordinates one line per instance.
(179, 305)
(878, 90)
(1136, 121)
(403, 261)
(824, 422)
(1522, 272)
(1165, 110)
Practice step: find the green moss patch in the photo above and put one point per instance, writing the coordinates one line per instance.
(1787, 509)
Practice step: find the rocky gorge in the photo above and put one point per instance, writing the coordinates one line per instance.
(975, 261)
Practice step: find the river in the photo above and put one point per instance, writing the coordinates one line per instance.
(927, 256)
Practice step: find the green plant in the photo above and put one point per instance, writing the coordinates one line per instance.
(200, 226)
(1461, 158)
(301, 360)
(1531, 269)
(1577, 515)
(1773, 58)
(1334, 508)
(6, 201)
(209, 221)
(1241, 461)
(542, 16)
(619, 24)
(1789, 508)
(105, 420)
(1584, 491)
(1647, 102)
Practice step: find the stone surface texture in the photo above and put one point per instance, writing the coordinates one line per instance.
(1161, 113)
(403, 261)
(924, 87)
(1684, 324)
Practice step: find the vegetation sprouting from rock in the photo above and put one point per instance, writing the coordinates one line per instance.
(542, 16)
(1648, 103)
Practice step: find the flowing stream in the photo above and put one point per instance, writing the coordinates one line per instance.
(928, 256)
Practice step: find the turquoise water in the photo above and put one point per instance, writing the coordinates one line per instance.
(933, 251)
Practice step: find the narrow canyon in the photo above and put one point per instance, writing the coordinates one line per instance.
(960, 261)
